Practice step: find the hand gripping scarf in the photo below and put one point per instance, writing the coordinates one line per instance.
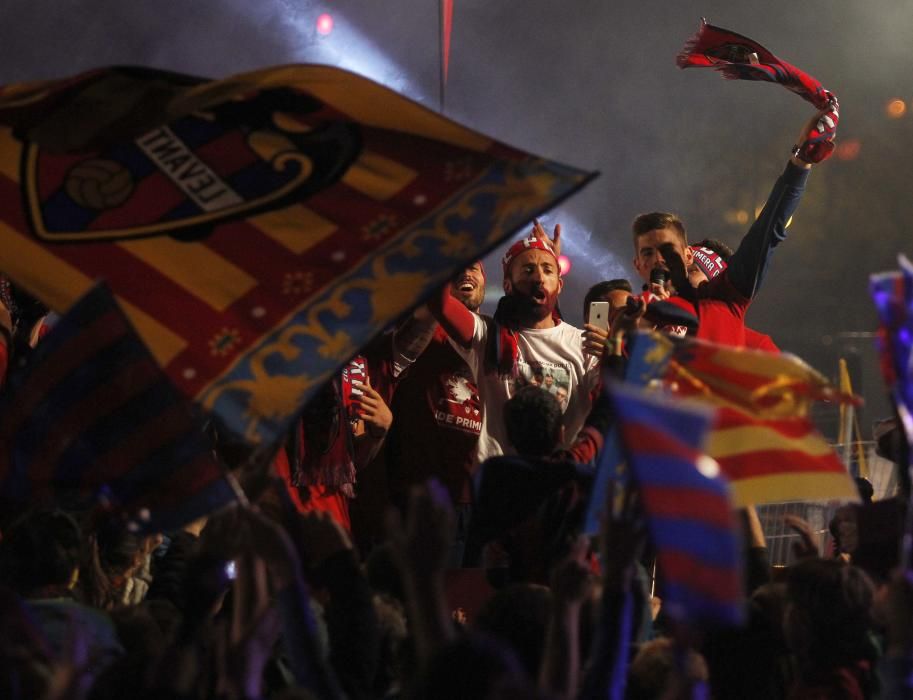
(739, 58)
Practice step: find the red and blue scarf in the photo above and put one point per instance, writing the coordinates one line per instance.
(739, 58)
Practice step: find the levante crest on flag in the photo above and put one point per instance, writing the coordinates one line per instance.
(256, 230)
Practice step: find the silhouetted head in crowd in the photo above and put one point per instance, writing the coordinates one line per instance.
(518, 616)
(40, 554)
(117, 555)
(533, 420)
(828, 615)
(655, 673)
(473, 666)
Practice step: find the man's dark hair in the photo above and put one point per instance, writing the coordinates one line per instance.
(40, 550)
(518, 616)
(645, 223)
(600, 289)
(533, 420)
(718, 247)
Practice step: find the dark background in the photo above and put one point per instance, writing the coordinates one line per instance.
(593, 83)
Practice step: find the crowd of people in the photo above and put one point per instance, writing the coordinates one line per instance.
(454, 457)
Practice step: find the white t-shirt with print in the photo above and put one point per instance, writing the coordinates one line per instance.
(556, 352)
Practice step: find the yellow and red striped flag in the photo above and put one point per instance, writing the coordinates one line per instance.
(257, 230)
(763, 437)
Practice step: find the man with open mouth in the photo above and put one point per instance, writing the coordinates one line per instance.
(526, 337)
(436, 408)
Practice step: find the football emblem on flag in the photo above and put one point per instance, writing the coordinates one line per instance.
(99, 184)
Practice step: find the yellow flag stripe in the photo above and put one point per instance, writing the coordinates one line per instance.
(162, 342)
(378, 177)
(793, 486)
(199, 270)
(46, 276)
(296, 227)
(367, 102)
(59, 285)
(10, 152)
(756, 438)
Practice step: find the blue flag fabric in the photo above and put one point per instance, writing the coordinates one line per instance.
(650, 355)
(92, 421)
(686, 504)
(893, 295)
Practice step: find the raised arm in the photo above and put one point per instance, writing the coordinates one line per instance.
(455, 319)
(748, 265)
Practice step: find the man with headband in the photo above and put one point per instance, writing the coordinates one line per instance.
(526, 337)
(711, 257)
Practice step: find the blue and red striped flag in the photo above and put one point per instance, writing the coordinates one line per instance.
(893, 295)
(92, 420)
(686, 503)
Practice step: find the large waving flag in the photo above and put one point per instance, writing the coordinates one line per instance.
(257, 230)
(893, 295)
(762, 437)
(686, 503)
(92, 420)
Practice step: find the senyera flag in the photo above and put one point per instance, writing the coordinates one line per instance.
(763, 437)
(257, 230)
(686, 502)
(92, 422)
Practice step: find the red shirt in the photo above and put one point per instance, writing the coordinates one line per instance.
(720, 310)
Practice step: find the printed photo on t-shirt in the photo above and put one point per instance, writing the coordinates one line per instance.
(548, 376)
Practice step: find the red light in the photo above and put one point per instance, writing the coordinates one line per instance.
(564, 264)
(849, 149)
(325, 24)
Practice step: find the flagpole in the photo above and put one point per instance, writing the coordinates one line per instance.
(440, 44)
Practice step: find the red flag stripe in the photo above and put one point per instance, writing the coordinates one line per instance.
(178, 486)
(790, 427)
(132, 378)
(717, 583)
(649, 441)
(692, 504)
(136, 445)
(72, 354)
(765, 463)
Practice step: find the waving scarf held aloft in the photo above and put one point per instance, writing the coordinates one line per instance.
(739, 58)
